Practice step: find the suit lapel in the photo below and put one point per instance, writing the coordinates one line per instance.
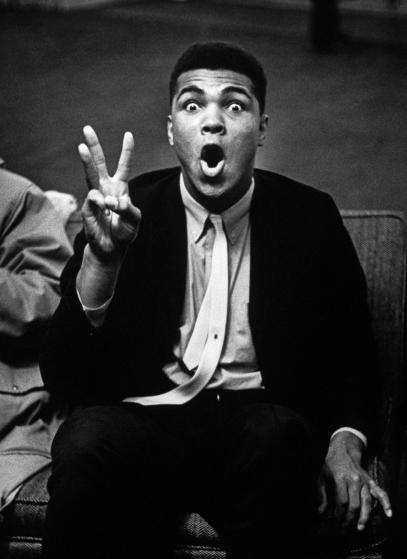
(270, 267)
(260, 262)
(173, 241)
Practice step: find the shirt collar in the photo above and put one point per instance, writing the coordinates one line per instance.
(234, 218)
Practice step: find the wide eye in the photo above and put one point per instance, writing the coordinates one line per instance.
(191, 106)
(235, 107)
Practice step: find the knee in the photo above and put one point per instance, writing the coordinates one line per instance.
(79, 436)
(95, 448)
(274, 428)
(98, 438)
(291, 425)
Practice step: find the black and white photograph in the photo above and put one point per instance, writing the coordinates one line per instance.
(203, 241)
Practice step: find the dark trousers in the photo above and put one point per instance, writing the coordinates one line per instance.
(123, 473)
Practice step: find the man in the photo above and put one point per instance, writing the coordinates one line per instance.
(33, 251)
(206, 326)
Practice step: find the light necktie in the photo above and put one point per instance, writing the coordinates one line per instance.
(205, 345)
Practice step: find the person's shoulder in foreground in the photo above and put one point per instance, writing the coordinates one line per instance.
(33, 251)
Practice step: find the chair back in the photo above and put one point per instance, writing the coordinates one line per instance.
(381, 243)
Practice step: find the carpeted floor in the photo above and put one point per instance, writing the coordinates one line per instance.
(337, 122)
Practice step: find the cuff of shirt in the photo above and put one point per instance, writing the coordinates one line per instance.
(95, 315)
(360, 435)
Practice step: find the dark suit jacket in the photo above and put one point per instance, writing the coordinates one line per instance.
(308, 311)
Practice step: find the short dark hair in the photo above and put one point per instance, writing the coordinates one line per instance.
(215, 55)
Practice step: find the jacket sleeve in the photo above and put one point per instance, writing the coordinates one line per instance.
(33, 251)
(349, 350)
(75, 360)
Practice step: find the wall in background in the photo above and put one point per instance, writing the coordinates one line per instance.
(380, 7)
(55, 4)
(335, 120)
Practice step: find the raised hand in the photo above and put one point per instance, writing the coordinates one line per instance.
(111, 221)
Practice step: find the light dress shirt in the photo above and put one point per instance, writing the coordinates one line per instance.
(237, 368)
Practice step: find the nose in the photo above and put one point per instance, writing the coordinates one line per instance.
(213, 122)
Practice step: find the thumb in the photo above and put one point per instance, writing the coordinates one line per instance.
(127, 210)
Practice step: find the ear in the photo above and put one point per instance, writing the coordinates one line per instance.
(264, 121)
(170, 134)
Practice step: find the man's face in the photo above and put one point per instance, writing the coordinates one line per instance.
(215, 127)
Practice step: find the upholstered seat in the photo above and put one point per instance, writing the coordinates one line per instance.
(380, 240)
(196, 538)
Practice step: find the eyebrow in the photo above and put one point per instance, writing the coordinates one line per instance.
(226, 91)
(236, 89)
(190, 89)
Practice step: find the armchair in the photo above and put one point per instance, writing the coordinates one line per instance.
(380, 240)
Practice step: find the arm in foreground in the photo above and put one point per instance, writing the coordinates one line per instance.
(72, 363)
(346, 490)
(110, 220)
(34, 250)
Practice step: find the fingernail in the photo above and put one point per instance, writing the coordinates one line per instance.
(389, 513)
(360, 527)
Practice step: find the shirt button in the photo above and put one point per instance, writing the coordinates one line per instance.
(15, 387)
(215, 336)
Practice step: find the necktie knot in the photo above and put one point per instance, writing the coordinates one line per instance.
(217, 222)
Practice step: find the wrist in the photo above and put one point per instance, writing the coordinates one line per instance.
(102, 262)
(97, 278)
(348, 442)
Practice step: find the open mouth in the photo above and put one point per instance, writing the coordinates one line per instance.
(212, 154)
(212, 160)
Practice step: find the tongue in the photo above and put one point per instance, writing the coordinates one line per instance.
(212, 172)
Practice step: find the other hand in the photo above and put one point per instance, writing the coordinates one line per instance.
(345, 488)
(111, 221)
